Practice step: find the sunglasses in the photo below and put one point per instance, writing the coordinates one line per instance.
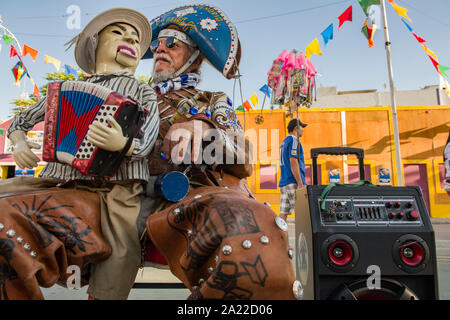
(171, 42)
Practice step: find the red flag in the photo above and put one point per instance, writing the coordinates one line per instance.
(36, 92)
(345, 16)
(435, 63)
(33, 53)
(247, 105)
(13, 52)
(418, 38)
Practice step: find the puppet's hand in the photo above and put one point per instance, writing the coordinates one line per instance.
(108, 137)
(23, 156)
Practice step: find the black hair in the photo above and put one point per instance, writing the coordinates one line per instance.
(292, 124)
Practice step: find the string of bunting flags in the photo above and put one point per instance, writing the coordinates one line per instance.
(292, 76)
(441, 69)
(291, 79)
(19, 70)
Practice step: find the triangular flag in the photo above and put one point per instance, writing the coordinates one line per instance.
(435, 62)
(70, 70)
(400, 11)
(345, 16)
(443, 69)
(36, 92)
(7, 39)
(0, 47)
(406, 24)
(240, 108)
(28, 50)
(13, 52)
(2, 132)
(327, 34)
(313, 47)
(254, 99)
(418, 38)
(53, 61)
(266, 90)
(247, 105)
(429, 52)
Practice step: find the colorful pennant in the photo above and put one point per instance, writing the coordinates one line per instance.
(327, 34)
(443, 69)
(406, 24)
(418, 38)
(28, 50)
(400, 10)
(53, 61)
(7, 39)
(266, 90)
(313, 47)
(254, 100)
(345, 16)
(36, 92)
(70, 70)
(247, 105)
(13, 52)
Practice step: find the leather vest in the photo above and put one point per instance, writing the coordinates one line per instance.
(178, 107)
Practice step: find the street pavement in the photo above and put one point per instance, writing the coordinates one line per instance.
(442, 235)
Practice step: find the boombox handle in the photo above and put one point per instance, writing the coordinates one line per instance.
(337, 151)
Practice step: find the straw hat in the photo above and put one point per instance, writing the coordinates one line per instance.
(86, 41)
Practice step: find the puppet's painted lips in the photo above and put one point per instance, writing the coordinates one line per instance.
(126, 50)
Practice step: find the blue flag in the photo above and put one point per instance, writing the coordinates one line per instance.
(265, 89)
(70, 70)
(407, 25)
(327, 34)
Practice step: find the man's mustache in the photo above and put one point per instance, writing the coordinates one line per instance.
(163, 56)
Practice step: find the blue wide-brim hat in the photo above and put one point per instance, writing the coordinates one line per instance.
(212, 31)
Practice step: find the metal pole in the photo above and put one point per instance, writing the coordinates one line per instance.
(398, 159)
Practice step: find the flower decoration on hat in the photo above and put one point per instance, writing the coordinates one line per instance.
(208, 24)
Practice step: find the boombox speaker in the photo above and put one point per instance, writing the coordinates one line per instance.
(363, 242)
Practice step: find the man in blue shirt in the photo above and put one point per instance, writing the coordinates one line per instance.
(292, 165)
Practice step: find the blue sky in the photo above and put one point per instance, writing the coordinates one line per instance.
(265, 28)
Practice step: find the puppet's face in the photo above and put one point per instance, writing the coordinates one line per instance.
(118, 49)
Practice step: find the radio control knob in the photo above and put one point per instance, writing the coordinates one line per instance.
(410, 204)
(397, 204)
(389, 204)
(392, 215)
(401, 215)
(413, 215)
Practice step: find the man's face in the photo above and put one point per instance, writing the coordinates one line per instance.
(118, 49)
(298, 131)
(166, 61)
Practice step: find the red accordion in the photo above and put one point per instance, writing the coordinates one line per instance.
(71, 108)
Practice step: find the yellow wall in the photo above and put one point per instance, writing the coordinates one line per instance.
(423, 133)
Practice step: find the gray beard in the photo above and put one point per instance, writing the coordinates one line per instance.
(163, 76)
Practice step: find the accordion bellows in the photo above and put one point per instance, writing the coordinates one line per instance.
(72, 106)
